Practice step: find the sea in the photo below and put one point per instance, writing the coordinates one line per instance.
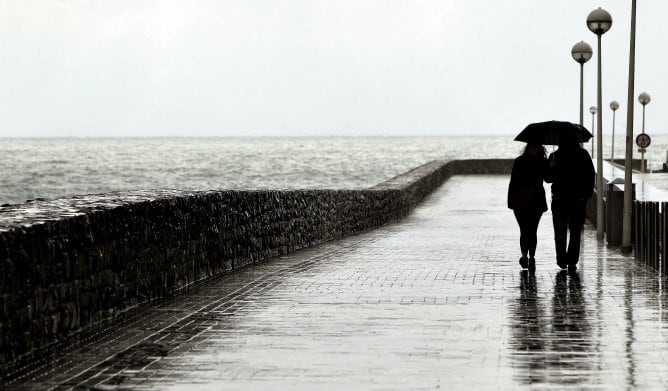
(51, 168)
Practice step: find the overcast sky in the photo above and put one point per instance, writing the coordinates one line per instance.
(316, 67)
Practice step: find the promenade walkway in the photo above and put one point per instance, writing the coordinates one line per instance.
(436, 301)
(648, 186)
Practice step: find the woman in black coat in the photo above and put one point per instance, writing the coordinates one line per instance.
(526, 197)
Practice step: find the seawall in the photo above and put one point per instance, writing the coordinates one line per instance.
(67, 264)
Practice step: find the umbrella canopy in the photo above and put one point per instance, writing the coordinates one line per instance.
(551, 132)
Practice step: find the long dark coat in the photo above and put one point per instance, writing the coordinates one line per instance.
(525, 191)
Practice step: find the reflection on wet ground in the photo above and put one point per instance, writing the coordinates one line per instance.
(434, 301)
(552, 338)
(528, 335)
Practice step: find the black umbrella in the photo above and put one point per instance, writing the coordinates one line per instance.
(550, 132)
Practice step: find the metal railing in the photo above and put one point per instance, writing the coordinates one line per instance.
(650, 225)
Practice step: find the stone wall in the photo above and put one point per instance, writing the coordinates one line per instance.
(69, 263)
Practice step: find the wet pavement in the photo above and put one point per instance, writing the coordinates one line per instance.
(436, 301)
(648, 186)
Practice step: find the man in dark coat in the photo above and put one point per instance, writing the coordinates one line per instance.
(571, 172)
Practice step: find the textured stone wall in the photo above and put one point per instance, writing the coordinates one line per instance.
(69, 263)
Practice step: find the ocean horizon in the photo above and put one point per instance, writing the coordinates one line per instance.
(50, 168)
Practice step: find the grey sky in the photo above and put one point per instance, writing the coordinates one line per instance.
(315, 67)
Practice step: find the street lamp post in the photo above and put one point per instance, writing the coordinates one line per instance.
(581, 53)
(628, 157)
(644, 99)
(599, 22)
(613, 106)
(593, 111)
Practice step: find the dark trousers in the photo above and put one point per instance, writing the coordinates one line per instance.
(528, 221)
(568, 217)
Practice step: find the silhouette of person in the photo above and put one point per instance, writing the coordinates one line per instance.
(526, 197)
(571, 172)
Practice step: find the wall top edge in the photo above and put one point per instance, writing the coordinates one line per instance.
(40, 211)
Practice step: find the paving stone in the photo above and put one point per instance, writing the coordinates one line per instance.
(436, 301)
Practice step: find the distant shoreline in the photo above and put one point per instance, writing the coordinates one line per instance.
(619, 134)
(255, 137)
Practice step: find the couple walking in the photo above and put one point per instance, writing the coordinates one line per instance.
(571, 172)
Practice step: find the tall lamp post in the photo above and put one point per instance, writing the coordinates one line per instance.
(599, 22)
(593, 111)
(581, 53)
(628, 157)
(644, 99)
(613, 106)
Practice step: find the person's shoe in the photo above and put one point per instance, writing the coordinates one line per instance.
(572, 268)
(524, 262)
(562, 263)
(532, 264)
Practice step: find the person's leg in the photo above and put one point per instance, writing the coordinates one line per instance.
(560, 223)
(532, 232)
(575, 224)
(521, 218)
